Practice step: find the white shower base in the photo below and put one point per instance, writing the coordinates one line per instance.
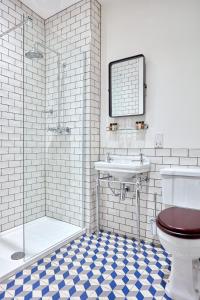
(40, 236)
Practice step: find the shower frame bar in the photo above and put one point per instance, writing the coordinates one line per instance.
(27, 19)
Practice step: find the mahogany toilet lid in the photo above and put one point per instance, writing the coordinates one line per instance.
(180, 222)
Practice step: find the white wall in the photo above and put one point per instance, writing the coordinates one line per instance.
(167, 33)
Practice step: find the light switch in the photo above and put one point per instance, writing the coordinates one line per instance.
(159, 140)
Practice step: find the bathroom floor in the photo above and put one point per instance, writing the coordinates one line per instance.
(107, 267)
(40, 234)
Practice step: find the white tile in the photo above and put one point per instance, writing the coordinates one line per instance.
(180, 152)
(194, 153)
(185, 161)
(170, 160)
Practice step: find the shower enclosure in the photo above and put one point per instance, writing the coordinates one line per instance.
(43, 107)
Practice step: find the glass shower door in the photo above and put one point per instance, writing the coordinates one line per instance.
(11, 140)
(53, 143)
(34, 137)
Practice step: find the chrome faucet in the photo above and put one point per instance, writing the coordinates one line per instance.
(108, 158)
(141, 158)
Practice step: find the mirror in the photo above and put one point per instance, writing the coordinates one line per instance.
(126, 86)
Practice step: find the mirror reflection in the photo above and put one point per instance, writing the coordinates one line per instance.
(126, 87)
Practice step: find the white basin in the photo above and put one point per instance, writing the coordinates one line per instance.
(123, 167)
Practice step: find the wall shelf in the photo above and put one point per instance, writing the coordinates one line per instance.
(130, 129)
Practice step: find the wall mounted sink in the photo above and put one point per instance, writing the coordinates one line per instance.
(123, 167)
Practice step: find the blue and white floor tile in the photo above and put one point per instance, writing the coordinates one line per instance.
(106, 266)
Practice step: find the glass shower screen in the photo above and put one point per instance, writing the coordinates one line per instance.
(54, 104)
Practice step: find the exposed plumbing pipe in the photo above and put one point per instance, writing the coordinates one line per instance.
(58, 77)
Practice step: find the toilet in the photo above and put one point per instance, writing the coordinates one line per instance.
(178, 229)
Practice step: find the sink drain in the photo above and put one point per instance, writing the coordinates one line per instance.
(17, 255)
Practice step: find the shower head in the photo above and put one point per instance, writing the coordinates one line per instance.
(34, 53)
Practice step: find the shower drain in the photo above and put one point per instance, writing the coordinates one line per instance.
(17, 255)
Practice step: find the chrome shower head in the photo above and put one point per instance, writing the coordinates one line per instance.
(34, 54)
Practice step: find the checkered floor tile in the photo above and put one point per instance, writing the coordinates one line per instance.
(106, 266)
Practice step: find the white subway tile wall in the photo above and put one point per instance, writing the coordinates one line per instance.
(75, 34)
(93, 104)
(120, 216)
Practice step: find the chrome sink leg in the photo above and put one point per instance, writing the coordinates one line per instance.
(137, 191)
(97, 202)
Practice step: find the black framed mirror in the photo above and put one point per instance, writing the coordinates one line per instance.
(127, 87)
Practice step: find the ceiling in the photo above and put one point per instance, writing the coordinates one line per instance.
(47, 8)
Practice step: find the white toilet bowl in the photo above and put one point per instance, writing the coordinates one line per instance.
(179, 230)
(182, 283)
(184, 246)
